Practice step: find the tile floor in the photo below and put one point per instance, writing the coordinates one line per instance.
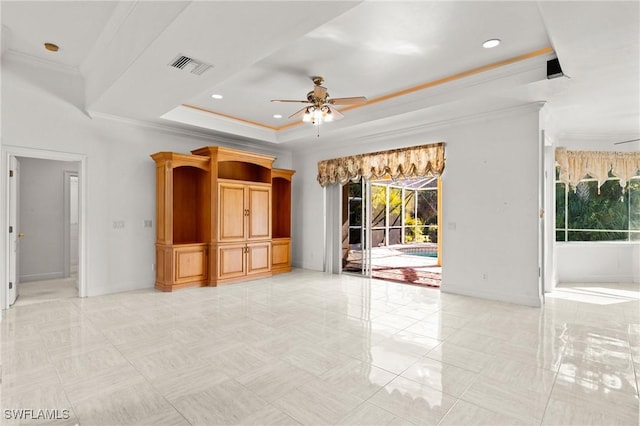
(45, 291)
(316, 349)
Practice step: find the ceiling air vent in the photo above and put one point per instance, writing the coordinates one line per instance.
(189, 64)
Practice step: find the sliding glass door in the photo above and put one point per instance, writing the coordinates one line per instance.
(356, 232)
(390, 230)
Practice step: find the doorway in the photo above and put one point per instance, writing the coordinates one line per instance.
(47, 212)
(390, 230)
(46, 253)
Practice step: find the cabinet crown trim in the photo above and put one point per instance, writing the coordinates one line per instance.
(228, 154)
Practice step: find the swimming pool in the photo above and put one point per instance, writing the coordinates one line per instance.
(422, 251)
(422, 254)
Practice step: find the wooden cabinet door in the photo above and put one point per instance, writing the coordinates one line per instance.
(258, 258)
(281, 253)
(259, 205)
(232, 212)
(190, 264)
(231, 261)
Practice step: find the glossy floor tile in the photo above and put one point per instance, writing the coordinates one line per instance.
(45, 291)
(308, 348)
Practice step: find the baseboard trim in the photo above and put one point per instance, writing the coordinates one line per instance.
(41, 277)
(119, 288)
(500, 297)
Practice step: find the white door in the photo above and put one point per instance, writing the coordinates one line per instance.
(14, 235)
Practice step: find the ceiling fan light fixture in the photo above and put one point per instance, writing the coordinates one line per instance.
(326, 114)
(493, 42)
(307, 115)
(321, 107)
(317, 116)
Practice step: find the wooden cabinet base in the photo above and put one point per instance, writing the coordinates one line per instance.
(280, 255)
(181, 265)
(171, 287)
(243, 279)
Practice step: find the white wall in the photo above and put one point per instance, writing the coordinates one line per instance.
(41, 215)
(120, 174)
(490, 196)
(603, 262)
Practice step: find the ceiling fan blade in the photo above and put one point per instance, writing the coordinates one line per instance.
(298, 114)
(337, 115)
(629, 141)
(319, 92)
(356, 100)
(289, 100)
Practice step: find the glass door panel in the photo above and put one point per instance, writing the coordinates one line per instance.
(356, 253)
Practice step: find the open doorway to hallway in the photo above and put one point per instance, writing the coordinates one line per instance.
(390, 230)
(48, 236)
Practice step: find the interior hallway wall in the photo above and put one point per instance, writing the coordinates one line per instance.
(41, 213)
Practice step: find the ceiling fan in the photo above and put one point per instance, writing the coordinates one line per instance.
(321, 106)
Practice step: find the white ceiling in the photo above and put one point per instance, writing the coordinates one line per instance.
(267, 50)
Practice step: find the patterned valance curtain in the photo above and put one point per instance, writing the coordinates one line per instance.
(397, 163)
(576, 165)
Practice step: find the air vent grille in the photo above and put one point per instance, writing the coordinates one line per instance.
(180, 62)
(191, 65)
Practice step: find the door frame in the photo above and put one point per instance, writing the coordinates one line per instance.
(9, 151)
(66, 188)
(13, 219)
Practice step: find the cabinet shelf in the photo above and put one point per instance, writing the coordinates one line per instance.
(238, 170)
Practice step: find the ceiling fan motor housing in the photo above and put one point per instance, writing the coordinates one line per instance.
(315, 100)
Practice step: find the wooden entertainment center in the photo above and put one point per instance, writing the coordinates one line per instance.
(222, 216)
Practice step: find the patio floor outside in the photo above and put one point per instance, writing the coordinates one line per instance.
(397, 263)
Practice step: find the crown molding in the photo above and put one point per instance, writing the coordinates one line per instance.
(517, 68)
(189, 133)
(597, 137)
(402, 131)
(483, 115)
(36, 61)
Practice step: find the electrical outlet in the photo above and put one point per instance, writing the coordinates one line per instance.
(147, 223)
(485, 276)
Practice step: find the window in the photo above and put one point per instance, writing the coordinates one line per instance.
(586, 214)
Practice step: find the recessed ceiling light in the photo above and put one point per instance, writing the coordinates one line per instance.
(277, 116)
(491, 43)
(216, 96)
(51, 47)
